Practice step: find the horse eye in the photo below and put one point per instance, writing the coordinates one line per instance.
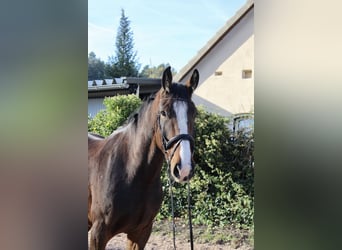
(163, 113)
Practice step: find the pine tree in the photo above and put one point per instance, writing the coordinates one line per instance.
(124, 63)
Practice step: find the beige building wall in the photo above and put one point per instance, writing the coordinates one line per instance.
(222, 88)
(231, 87)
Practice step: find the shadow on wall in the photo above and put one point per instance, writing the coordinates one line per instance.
(209, 106)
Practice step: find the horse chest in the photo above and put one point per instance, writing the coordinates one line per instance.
(138, 201)
(142, 197)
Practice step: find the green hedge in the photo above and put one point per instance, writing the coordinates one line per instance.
(223, 186)
(118, 109)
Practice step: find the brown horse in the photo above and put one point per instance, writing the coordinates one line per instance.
(124, 186)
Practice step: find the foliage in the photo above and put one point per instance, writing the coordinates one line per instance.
(118, 109)
(124, 63)
(222, 190)
(96, 67)
(156, 71)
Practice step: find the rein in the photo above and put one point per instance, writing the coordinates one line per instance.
(167, 144)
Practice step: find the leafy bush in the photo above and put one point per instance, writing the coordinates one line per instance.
(223, 186)
(118, 109)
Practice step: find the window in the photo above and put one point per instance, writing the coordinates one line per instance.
(246, 73)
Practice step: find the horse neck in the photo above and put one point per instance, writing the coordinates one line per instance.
(143, 142)
(142, 128)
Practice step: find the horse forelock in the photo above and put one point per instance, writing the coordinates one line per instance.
(178, 92)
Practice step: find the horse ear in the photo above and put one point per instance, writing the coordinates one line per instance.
(193, 82)
(167, 79)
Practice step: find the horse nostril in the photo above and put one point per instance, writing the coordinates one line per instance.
(176, 170)
(179, 167)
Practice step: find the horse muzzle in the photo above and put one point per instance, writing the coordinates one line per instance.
(183, 173)
(182, 165)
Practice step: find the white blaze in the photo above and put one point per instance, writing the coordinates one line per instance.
(181, 110)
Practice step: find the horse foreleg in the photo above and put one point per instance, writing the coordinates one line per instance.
(137, 240)
(98, 236)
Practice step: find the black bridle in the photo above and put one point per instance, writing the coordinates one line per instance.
(176, 140)
(167, 145)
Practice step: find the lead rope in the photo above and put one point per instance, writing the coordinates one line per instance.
(172, 208)
(189, 215)
(173, 212)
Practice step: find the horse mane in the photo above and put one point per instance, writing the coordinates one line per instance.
(134, 117)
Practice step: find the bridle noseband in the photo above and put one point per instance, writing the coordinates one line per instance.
(176, 140)
(169, 143)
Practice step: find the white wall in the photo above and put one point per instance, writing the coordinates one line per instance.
(94, 106)
(228, 93)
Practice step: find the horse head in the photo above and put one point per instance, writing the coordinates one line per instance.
(176, 122)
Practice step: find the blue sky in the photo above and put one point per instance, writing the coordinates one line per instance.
(164, 31)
